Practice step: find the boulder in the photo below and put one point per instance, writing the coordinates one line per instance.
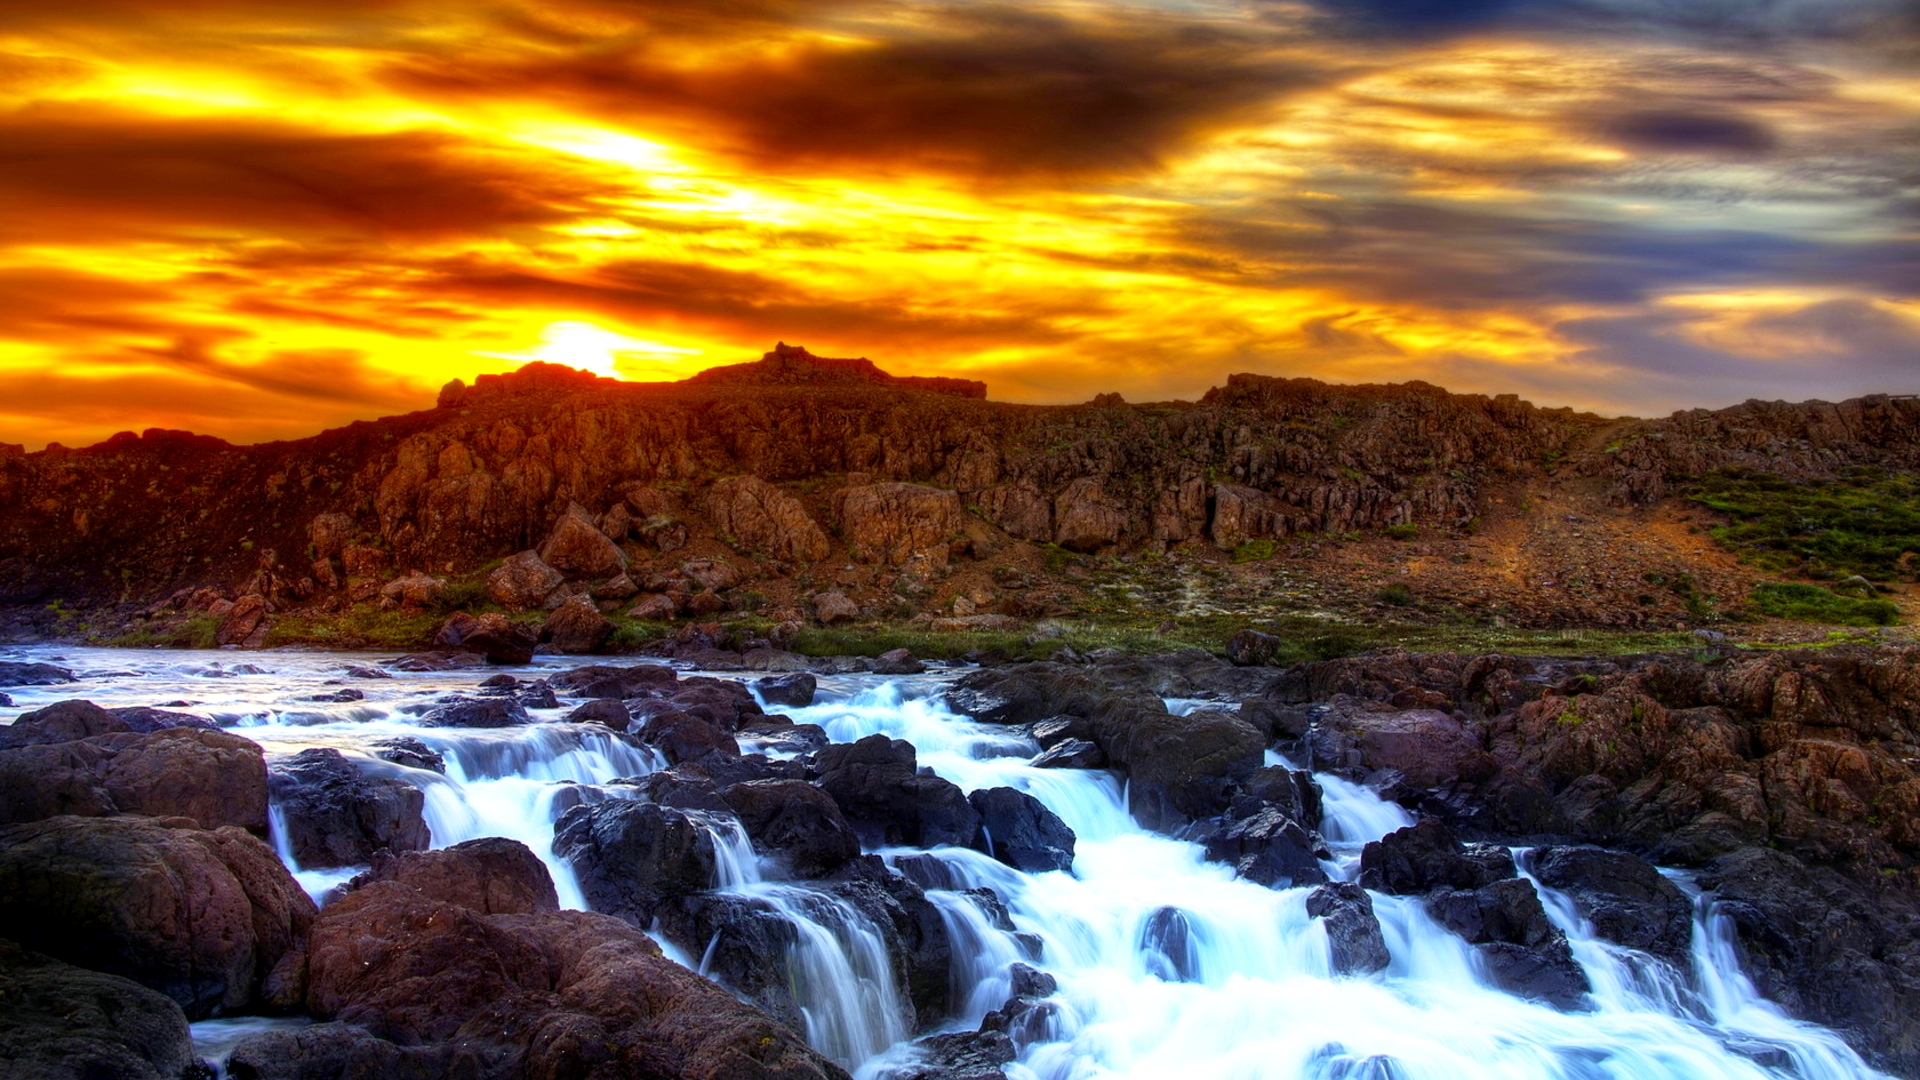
(1427, 746)
(834, 607)
(1087, 517)
(1251, 648)
(960, 1055)
(713, 575)
(408, 751)
(413, 591)
(1628, 901)
(339, 811)
(897, 662)
(32, 673)
(577, 546)
(680, 737)
(1166, 945)
(213, 777)
(1026, 694)
(1426, 856)
(62, 721)
(1019, 830)
(201, 916)
(523, 581)
(632, 857)
(794, 690)
(757, 516)
(1524, 953)
(492, 875)
(1179, 768)
(487, 712)
(614, 680)
(577, 626)
(443, 988)
(893, 523)
(657, 608)
(67, 1023)
(618, 587)
(1355, 945)
(1071, 754)
(492, 635)
(607, 712)
(794, 822)
(888, 802)
(1269, 848)
(245, 624)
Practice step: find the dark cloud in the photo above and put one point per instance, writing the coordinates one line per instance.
(1670, 132)
(986, 91)
(89, 173)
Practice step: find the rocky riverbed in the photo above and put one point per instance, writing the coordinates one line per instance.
(305, 865)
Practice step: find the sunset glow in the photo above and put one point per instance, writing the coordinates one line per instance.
(258, 220)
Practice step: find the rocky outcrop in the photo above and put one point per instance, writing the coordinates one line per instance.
(577, 546)
(491, 634)
(760, 517)
(523, 581)
(1626, 898)
(795, 823)
(577, 626)
(1019, 830)
(339, 812)
(888, 801)
(633, 857)
(67, 1023)
(895, 523)
(204, 917)
(245, 623)
(1355, 945)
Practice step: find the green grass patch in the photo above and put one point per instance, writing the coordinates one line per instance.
(1402, 532)
(1397, 595)
(1813, 604)
(1255, 551)
(358, 627)
(1866, 523)
(196, 632)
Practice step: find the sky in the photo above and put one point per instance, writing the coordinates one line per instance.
(258, 219)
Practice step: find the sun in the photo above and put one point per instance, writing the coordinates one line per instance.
(596, 349)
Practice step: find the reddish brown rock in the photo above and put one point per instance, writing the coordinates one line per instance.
(245, 623)
(413, 591)
(578, 627)
(893, 523)
(1088, 517)
(761, 517)
(522, 581)
(213, 777)
(200, 916)
(834, 607)
(577, 546)
(67, 1023)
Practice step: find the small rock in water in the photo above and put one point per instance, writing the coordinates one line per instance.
(795, 690)
(897, 662)
(1071, 754)
(1353, 932)
(342, 695)
(32, 674)
(356, 671)
(1166, 939)
(5, 702)
(409, 751)
(476, 713)
(603, 711)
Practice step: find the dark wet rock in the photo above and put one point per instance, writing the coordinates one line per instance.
(476, 713)
(1354, 942)
(897, 662)
(1277, 720)
(680, 737)
(1425, 745)
(212, 777)
(1071, 754)
(607, 712)
(1628, 901)
(787, 738)
(357, 671)
(143, 719)
(926, 871)
(32, 673)
(961, 1055)
(460, 992)
(913, 928)
(1179, 768)
(6, 702)
(1019, 830)
(491, 635)
(1249, 648)
(436, 661)
(724, 703)
(1293, 792)
(1055, 730)
(410, 752)
(201, 916)
(67, 1023)
(888, 802)
(613, 681)
(1524, 952)
(794, 690)
(1427, 856)
(492, 875)
(63, 721)
(634, 857)
(704, 658)
(338, 697)
(1167, 946)
(794, 822)
(1026, 1016)
(743, 943)
(339, 811)
(1023, 693)
(1271, 849)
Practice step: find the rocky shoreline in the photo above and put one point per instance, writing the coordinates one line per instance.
(140, 890)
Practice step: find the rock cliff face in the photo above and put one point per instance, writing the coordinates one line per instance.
(783, 457)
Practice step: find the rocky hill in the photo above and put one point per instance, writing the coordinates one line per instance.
(805, 476)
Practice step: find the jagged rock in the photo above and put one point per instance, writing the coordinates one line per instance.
(1087, 517)
(16, 673)
(1426, 856)
(201, 916)
(578, 627)
(655, 608)
(1524, 952)
(1019, 830)
(618, 587)
(1427, 746)
(492, 635)
(1354, 942)
(795, 690)
(1628, 901)
(244, 624)
(338, 813)
(681, 737)
(795, 822)
(632, 857)
(761, 517)
(408, 751)
(834, 607)
(577, 546)
(67, 1023)
(1179, 768)
(492, 876)
(606, 712)
(897, 662)
(893, 523)
(412, 591)
(476, 713)
(614, 681)
(961, 1055)
(888, 802)
(523, 581)
(1071, 754)
(1269, 848)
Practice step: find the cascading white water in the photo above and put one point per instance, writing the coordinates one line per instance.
(1167, 965)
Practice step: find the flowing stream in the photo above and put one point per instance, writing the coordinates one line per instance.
(1167, 965)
